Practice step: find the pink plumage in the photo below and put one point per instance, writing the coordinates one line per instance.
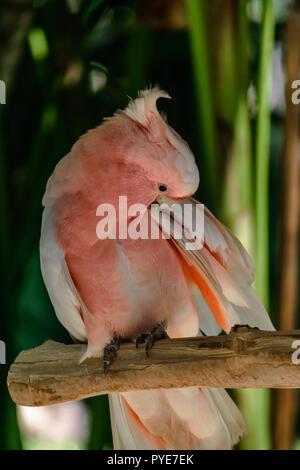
(100, 288)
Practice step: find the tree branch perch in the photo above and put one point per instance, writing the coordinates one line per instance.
(246, 358)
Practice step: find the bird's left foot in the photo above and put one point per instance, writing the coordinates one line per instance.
(158, 332)
(111, 348)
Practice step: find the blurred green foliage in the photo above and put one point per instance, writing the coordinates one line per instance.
(78, 62)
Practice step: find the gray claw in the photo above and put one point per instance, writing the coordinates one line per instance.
(158, 332)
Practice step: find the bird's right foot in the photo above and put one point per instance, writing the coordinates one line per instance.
(158, 332)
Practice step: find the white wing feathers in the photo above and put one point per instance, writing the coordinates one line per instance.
(61, 289)
(235, 273)
(228, 272)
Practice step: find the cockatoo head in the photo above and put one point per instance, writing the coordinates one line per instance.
(163, 154)
(134, 153)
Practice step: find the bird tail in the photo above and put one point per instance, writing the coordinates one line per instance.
(174, 419)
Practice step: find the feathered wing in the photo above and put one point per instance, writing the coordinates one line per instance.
(62, 292)
(220, 274)
(234, 271)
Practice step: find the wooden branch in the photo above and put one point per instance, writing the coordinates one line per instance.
(246, 358)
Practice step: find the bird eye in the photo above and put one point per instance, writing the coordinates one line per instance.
(163, 188)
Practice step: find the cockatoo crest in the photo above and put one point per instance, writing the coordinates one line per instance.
(143, 108)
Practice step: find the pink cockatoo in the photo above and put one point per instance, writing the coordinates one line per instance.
(103, 289)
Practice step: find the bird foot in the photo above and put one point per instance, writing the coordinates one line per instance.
(158, 332)
(111, 348)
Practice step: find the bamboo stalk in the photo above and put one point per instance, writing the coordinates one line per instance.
(203, 89)
(258, 402)
(246, 357)
(262, 153)
(285, 400)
